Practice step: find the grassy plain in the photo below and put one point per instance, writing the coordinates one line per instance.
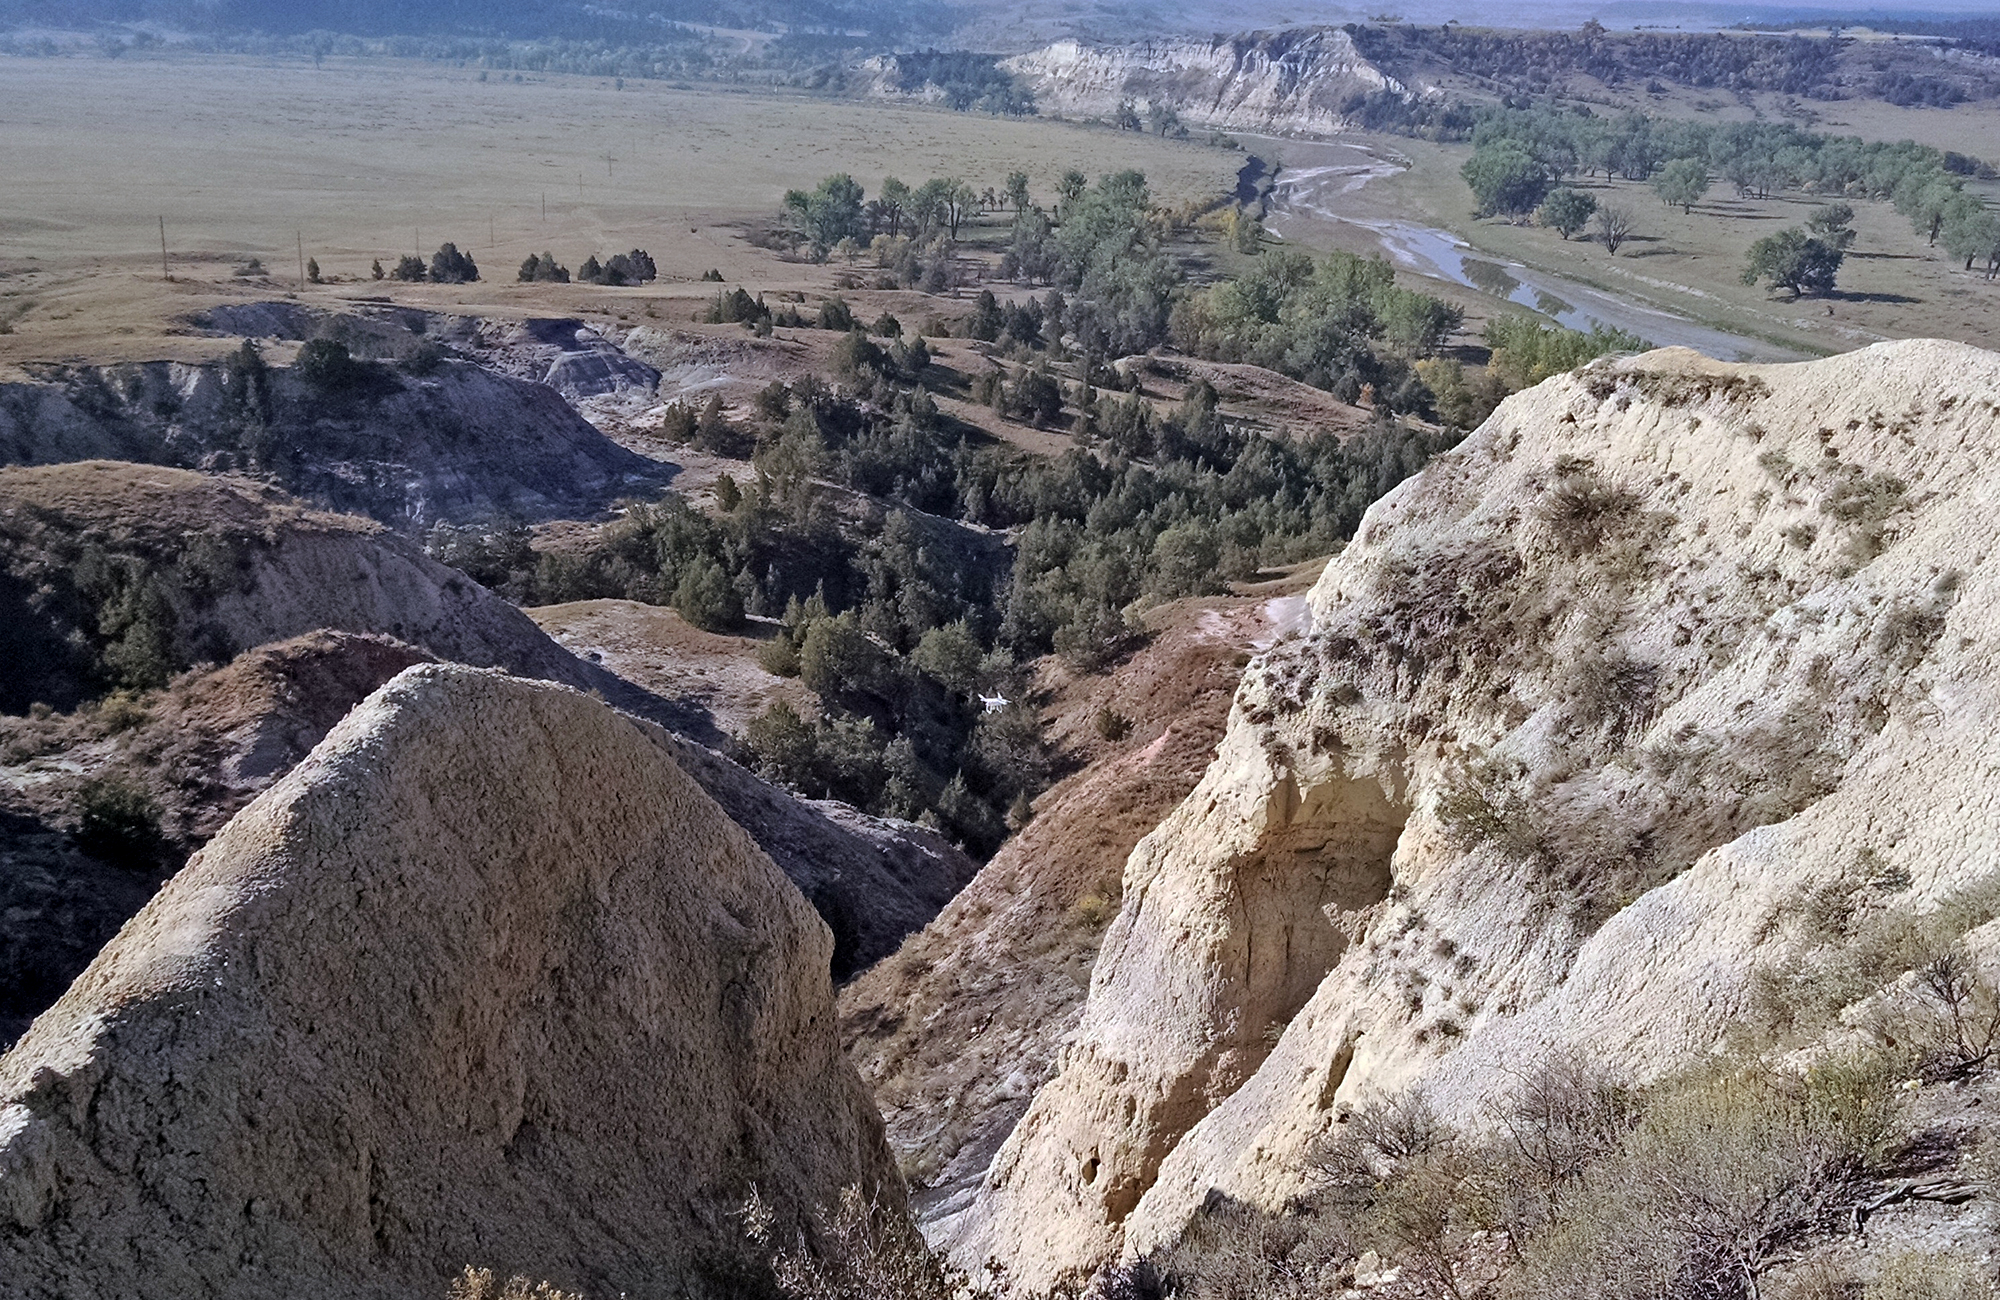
(366, 159)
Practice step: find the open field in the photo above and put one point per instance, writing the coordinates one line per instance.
(361, 160)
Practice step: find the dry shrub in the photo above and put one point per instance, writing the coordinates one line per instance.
(482, 1284)
(1233, 1252)
(1933, 1275)
(1583, 511)
(1723, 1173)
(855, 1249)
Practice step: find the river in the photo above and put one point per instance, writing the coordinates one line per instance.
(1312, 194)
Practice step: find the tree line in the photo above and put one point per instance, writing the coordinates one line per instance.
(1522, 158)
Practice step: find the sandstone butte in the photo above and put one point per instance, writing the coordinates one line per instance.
(1297, 81)
(487, 980)
(1584, 715)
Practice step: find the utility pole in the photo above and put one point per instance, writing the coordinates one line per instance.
(545, 207)
(300, 235)
(579, 186)
(491, 240)
(165, 274)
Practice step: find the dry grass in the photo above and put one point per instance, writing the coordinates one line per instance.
(246, 157)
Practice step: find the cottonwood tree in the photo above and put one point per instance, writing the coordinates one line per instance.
(826, 215)
(1506, 180)
(1832, 224)
(1017, 191)
(1682, 182)
(1794, 260)
(1566, 210)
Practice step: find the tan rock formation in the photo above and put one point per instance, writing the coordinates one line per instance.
(1289, 82)
(486, 980)
(1588, 710)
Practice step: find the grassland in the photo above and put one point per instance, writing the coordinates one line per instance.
(1893, 285)
(359, 160)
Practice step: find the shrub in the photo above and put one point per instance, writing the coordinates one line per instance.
(449, 266)
(779, 657)
(862, 1251)
(482, 1284)
(410, 267)
(326, 365)
(1111, 724)
(119, 823)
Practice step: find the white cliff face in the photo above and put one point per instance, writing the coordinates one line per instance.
(1587, 711)
(1293, 82)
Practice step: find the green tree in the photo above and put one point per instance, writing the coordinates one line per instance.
(375, 270)
(1794, 260)
(1017, 191)
(828, 214)
(312, 270)
(1682, 182)
(1505, 180)
(328, 367)
(1832, 224)
(1566, 210)
(951, 654)
(836, 659)
(1037, 395)
(705, 597)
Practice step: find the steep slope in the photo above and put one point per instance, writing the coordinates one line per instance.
(958, 1028)
(1590, 713)
(1293, 82)
(198, 752)
(486, 980)
(116, 574)
(116, 570)
(459, 442)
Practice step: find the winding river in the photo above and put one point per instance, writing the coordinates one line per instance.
(1309, 200)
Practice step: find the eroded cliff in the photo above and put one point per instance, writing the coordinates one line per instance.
(1588, 713)
(1300, 81)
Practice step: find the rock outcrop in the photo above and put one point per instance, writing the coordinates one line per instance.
(1590, 712)
(487, 980)
(457, 443)
(1294, 82)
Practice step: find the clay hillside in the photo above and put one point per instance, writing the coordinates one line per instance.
(178, 641)
(1652, 726)
(487, 980)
